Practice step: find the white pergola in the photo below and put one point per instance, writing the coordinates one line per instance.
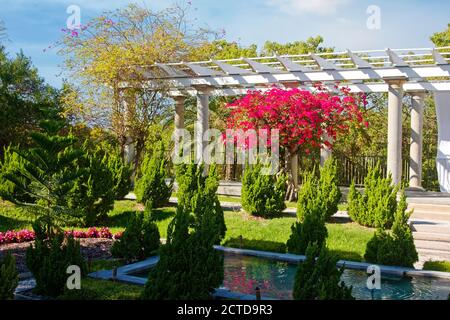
(396, 71)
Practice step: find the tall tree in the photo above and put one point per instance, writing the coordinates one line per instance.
(120, 46)
(25, 99)
(442, 39)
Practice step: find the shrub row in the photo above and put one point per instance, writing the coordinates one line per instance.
(376, 207)
(28, 235)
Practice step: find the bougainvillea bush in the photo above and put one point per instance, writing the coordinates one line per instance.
(302, 117)
(305, 120)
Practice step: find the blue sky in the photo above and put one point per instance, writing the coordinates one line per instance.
(33, 25)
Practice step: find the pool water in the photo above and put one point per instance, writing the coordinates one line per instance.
(276, 280)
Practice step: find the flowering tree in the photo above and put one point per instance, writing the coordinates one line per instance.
(303, 118)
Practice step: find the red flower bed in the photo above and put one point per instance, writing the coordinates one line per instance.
(27, 235)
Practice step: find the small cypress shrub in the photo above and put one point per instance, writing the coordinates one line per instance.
(311, 230)
(121, 173)
(263, 195)
(189, 267)
(318, 278)
(151, 185)
(93, 194)
(9, 279)
(197, 194)
(140, 239)
(324, 189)
(329, 193)
(49, 259)
(377, 206)
(307, 194)
(396, 247)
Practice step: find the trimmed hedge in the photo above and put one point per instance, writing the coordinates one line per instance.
(263, 195)
(324, 190)
(318, 278)
(151, 185)
(377, 206)
(396, 247)
(9, 279)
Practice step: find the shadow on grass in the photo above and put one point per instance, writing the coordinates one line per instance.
(261, 245)
(347, 255)
(120, 220)
(9, 223)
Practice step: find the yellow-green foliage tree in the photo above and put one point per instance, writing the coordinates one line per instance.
(121, 46)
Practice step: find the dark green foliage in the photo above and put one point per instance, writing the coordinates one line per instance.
(49, 259)
(151, 185)
(189, 267)
(311, 230)
(318, 278)
(93, 194)
(48, 174)
(11, 161)
(141, 238)
(324, 190)
(25, 100)
(263, 195)
(396, 247)
(329, 193)
(197, 193)
(121, 173)
(377, 206)
(9, 279)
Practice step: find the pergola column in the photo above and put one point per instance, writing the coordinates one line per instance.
(202, 124)
(394, 152)
(179, 120)
(415, 166)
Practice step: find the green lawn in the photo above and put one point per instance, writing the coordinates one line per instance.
(347, 240)
(93, 289)
(443, 266)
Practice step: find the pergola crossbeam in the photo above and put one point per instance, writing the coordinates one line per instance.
(230, 69)
(359, 62)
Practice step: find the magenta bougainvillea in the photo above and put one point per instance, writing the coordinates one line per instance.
(302, 117)
(28, 235)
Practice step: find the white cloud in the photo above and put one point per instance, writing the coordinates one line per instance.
(320, 7)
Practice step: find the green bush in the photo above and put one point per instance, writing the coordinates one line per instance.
(9, 279)
(93, 194)
(197, 194)
(397, 247)
(189, 267)
(12, 161)
(263, 195)
(377, 206)
(318, 278)
(151, 185)
(311, 230)
(140, 239)
(325, 190)
(49, 259)
(121, 173)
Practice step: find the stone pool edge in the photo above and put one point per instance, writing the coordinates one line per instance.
(123, 273)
